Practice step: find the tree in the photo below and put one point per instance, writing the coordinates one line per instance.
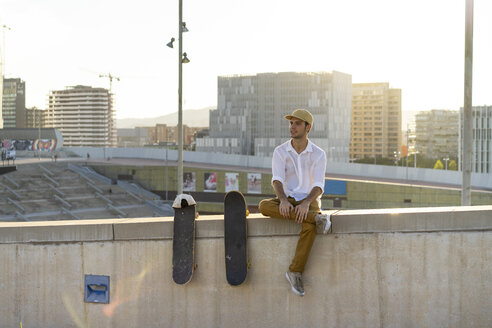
(453, 166)
(438, 165)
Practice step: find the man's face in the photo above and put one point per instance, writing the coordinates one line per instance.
(298, 128)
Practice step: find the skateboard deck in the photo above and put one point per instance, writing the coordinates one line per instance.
(183, 243)
(235, 236)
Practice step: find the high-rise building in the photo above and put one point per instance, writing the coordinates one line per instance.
(35, 118)
(1, 87)
(376, 121)
(162, 133)
(436, 133)
(136, 137)
(1, 95)
(83, 115)
(481, 137)
(249, 118)
(14, 103)
(158, 135)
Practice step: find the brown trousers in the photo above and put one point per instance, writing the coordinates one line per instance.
(270, 207)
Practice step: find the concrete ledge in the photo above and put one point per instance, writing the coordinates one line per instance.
(208, 226)
(428, 219)
(143, 228)
(56, 231)
(468, 218)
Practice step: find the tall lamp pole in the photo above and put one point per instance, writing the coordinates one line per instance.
(408, 131)
(180, 102)
(39, 132)
(467, 108)
(182, 58)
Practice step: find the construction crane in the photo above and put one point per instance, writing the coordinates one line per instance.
(111, 77)
(2, 58)
(112, 120)
(2, 69)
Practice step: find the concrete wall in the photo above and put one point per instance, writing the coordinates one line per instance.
(154, 177)
(364, 194)
(359, 194)
(382, 268)
(352, 169)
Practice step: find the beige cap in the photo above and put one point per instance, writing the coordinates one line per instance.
(301, 114)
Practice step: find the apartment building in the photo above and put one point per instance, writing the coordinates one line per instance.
(1, 90)
(436, 133)
(163, 133)
(376, 121)
(481, 137)
(249, 118)
(84, 116)
(14, 103)
(156, 135)
(133, 137)
(35, 118)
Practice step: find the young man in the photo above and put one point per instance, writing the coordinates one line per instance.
(298, 168)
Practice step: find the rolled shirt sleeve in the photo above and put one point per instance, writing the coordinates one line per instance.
(319, 172)
(278, 167)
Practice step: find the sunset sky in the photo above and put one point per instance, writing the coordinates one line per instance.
(415, 45)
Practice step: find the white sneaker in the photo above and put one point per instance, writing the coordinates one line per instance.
(324, 221)
(295, 279)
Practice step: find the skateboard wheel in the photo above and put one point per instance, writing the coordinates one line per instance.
(247, 212)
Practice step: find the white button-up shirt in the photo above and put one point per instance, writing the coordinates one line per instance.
(299, 173)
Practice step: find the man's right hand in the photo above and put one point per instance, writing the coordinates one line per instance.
(285, 208)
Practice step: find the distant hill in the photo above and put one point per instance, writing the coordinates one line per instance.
(200, 118)
(191, 117)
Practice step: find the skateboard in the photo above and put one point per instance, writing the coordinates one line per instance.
(183, 243)
(235, 236)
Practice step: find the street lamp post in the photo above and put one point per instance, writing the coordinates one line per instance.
(374, 149)
(182, 58)
(180, 101)
(467, 108)
(408, 131)
(167, 164)
(39, 133)
(446, 161)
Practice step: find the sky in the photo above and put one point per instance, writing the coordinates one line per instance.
(415, 45)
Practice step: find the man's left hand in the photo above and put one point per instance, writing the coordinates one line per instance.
(301, 211)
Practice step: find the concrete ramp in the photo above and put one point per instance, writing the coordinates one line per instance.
(64, 191)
